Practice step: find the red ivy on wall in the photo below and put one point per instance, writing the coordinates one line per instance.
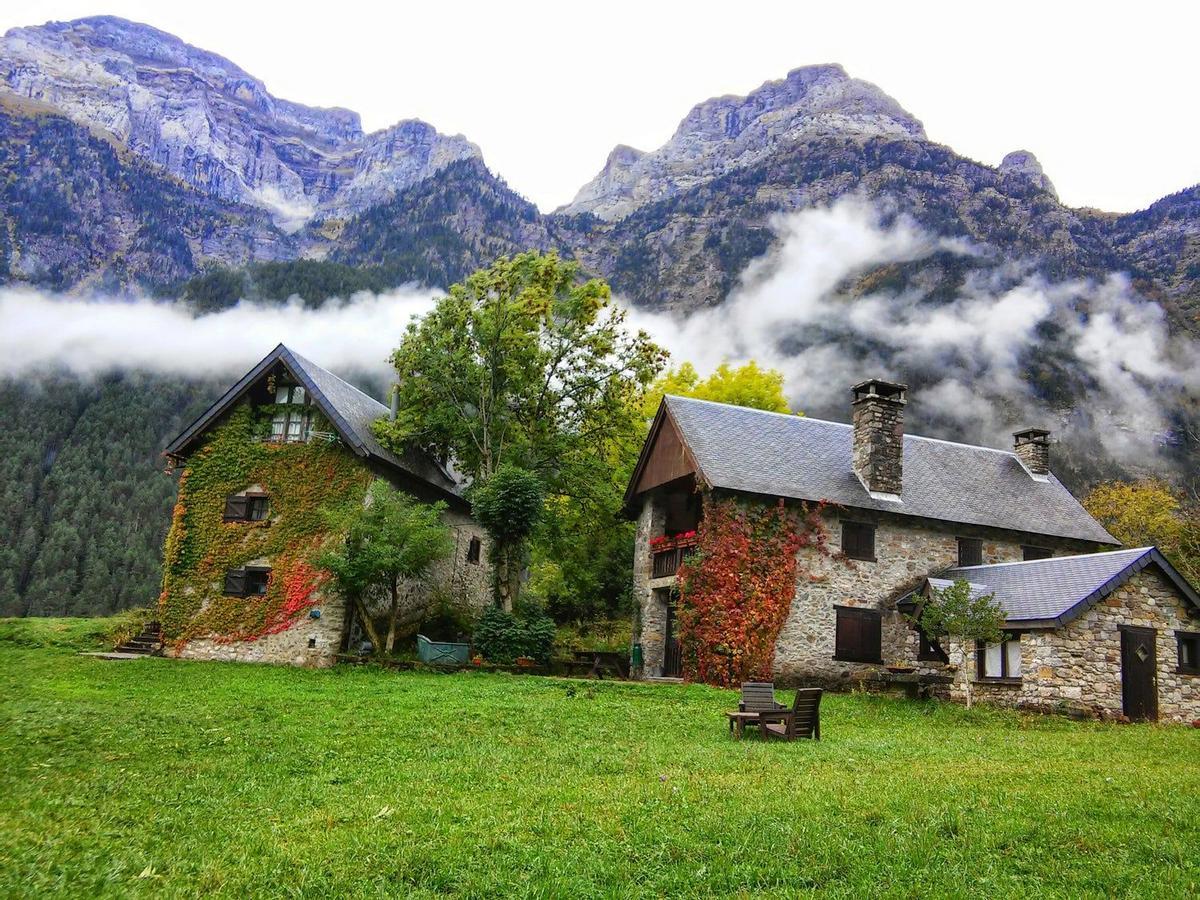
(737, 589)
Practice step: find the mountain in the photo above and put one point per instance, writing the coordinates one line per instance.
(215, 127)
(728, 133)
(131, 162)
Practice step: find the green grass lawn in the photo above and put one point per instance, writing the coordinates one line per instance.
(158, 777)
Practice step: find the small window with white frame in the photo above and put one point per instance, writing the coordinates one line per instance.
(1002, 660)
(292, 422)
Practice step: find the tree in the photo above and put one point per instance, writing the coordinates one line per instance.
(525, 363)
(508, 506)
(958, 613)
(1148, 512)
(746, 385)
(391, 539)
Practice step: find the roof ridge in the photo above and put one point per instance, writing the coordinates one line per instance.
(1049, 559)
(308, 362)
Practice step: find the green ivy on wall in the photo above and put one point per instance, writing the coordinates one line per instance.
(302, 480)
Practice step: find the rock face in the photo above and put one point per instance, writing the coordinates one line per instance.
(728, 133)
(1026, 165)
(214, 126)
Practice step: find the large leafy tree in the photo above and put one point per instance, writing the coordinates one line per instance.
(527, 364)
(1146, 512)
(391, 540)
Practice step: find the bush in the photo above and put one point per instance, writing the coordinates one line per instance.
(501, 637)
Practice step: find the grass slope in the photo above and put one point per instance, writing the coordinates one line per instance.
(164, 778)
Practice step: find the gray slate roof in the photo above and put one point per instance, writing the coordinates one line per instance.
(797, 457)
(1050, 592)
(349, 410)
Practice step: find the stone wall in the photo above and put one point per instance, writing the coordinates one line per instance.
(1077, 668)
(650, 606)
(315, 642)
(309, 642)
(905, 553)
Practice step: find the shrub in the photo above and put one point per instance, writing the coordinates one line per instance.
(501, 636)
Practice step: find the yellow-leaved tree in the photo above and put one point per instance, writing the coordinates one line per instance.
(746, 385)
(1141, 513)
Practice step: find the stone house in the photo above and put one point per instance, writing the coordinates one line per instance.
(259, 469)
(901, 511)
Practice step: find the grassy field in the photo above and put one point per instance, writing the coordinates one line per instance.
(165, 778)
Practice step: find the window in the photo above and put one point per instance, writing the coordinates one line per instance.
(246, 508)
(859, 635)
(1189, 652)
(1032, 553)
(929, 650)
(1001, 660)
(970, 552)
(473, 550)
(858, 540)
(247, 582)
(292, 420)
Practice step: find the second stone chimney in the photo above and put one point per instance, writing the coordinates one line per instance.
(1032, 447)
(878, 416)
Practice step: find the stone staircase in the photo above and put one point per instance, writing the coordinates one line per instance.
(148, 643)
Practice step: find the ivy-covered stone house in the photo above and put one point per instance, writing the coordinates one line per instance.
(259, 472)
(1108, 633)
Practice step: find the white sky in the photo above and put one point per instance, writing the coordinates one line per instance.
(1103, 94)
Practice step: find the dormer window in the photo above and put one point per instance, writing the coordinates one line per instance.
(293, 420)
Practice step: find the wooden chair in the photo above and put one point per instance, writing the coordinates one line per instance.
(757, 696)
(802, 720)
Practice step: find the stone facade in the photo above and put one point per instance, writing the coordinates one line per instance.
(316, 641)
(1077, 668)
(905, 552)
(652, 593)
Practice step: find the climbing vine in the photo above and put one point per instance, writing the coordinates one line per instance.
(737, 588)
(302, 481)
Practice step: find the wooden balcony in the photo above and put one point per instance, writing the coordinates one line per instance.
(666, 562)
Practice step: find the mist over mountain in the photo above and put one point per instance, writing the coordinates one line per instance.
(810, 224)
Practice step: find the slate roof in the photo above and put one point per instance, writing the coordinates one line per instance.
(349, 410)
(797, 457)
(1051, 592)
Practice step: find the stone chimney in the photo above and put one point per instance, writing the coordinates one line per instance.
(878, 416)
(1032, 447)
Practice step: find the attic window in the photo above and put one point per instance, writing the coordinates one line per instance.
(858, 541)
(970, 552)
(292, 422)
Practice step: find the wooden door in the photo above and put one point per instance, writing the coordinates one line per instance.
(672, 651)
(1139, 674)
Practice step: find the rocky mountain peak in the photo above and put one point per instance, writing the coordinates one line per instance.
(1026, 165)
(731, 132)
(214, 126)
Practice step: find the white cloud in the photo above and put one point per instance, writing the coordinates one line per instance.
(40, 332)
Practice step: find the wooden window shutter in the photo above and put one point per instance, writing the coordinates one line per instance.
(235, 582)
(970, 552)
(858, 540)
(235, 509)
(859, 635)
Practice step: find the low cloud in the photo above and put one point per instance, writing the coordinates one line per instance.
(971, 353)
(48, 333)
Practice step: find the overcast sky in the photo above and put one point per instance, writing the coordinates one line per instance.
(1103, 94)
